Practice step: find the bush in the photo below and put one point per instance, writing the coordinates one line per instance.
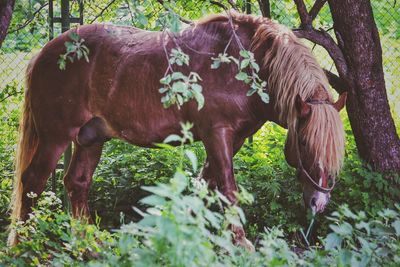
(180, 229)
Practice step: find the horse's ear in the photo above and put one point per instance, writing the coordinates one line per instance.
(303, 109)
(341, 102)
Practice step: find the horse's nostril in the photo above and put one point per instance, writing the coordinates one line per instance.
(313, 202)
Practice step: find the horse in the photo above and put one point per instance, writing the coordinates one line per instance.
(116, 95)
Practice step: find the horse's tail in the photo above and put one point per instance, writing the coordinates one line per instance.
(28, 140)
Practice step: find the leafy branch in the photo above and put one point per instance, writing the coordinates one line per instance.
(75, 50)
(245, 62)
(177, 87)
(187, 137)
(29, 20)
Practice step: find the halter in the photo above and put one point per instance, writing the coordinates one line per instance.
(300, 166)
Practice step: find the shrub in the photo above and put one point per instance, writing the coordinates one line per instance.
(180, 229)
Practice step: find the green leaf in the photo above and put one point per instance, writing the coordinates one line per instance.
(232, 219)
(179, 98)
(175, 24)
(179, 87)
(178, 76)
(364, 225)
(160, 190)
(251, 92)
(179, 182)
(166, 80)
(79, 54)
(241, 214)
(365, 244)
(86, 57)
(264, 97)
(172, 138)
(333, 241)
(193, 159)
(70, 47)
(197, 87)
(244, 53)
(163, 90)
(61, 63)
(241, 76)
(153, 200)
(344, 229)
(199, 98)
(164, 146)
(216, 64)
(244, 63)
(74, 36)
(212, 218)
(396, 226)
(255, 66)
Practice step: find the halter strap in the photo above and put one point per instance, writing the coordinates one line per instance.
(300, 169)
(317, 102)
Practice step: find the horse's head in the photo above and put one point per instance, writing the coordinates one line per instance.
(315, 146)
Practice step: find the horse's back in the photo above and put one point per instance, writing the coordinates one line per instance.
(119, 84)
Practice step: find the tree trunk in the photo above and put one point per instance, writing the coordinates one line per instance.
(6, 10)
(367, 106)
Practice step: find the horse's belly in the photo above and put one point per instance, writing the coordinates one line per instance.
(143, 129)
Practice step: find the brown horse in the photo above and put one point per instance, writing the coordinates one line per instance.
(115, 95)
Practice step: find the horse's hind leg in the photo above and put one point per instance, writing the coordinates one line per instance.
(79, 177)
(35, 176)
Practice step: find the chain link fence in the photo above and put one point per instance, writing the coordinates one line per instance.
(29, 31)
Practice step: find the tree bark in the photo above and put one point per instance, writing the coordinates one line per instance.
(265, 8)
(368, 108)
(6, 10)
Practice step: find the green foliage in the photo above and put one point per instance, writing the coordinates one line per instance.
(246, 61)
(180, 227)
(179, 88)
(357, 240)
(75, 50)
(52, 235)
(177, 217)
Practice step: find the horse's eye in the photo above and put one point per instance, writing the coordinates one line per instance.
(303, 143)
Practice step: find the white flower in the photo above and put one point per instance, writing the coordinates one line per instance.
(32, 195)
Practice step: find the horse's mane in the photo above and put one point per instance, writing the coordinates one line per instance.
(293, 70)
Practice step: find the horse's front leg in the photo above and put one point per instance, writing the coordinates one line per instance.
(218, 171)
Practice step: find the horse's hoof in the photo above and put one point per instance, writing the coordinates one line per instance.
(246, 244)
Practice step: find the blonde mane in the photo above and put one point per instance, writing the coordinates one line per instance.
(293, 70)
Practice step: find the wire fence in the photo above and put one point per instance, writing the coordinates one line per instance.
(29, 31)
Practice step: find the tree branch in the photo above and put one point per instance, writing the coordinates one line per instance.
(26, 23)
(102, 11)
(233, 4)
(10, 95)
(265, 8)
(323, 39)
(182, 19)
(316, 8)
(219, 4)
(306, 21)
